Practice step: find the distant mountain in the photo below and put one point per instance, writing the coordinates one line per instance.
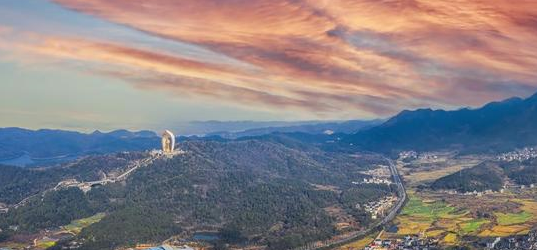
(202, 128)
(123, 133)
(348, 127)
(496, 126)
(51, 146)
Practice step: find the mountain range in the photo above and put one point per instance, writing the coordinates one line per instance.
(20, 146)
(347, 127)
(497, 126)
(26, 147)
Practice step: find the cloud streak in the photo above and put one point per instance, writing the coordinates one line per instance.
(329, 58)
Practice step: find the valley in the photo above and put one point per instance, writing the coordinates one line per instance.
(472, 219)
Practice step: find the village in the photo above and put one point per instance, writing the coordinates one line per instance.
(519, 155)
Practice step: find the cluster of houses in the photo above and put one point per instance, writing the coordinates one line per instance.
(379, 207)
(408, 155)
(519, 155)
(475, 192)
(414, 155)
(508, 186)
(373, 180)
(407, 243)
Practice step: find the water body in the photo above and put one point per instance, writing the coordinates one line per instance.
(205, 236)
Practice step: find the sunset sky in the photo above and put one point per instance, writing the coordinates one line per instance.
(137, 64)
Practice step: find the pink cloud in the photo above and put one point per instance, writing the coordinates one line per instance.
(325, 57)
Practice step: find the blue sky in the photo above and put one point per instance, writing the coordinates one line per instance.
(100, 64)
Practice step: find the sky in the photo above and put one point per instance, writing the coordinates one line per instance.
(136, 64)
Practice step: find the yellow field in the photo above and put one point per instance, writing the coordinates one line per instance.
(431, 175)
(502, 231)
(409, 225)
(514, 223)
(450, 239)
(506, 219)
(359, 244)
(45, 244)
(77, 225)
(435, 174)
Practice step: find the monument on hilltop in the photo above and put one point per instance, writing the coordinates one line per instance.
(168, 142)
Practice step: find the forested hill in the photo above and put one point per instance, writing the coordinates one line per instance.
(255, 191)
(18, 183)
(494, 127)
(490, 175)
(485, 176)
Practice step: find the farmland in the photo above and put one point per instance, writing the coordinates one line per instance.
(452, 218)
(359, 244)
(506, 219)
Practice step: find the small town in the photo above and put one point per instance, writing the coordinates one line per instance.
(519, 155)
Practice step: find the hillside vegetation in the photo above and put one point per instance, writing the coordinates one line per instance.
(485, 176)
(490, 176)
(250, 191)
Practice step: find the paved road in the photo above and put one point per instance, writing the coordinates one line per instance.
(401, 193)
(130, 168)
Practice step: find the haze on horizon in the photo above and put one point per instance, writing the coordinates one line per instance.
(99, 64)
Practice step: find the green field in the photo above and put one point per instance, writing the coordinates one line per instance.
(417, 208)
(77, 225)
(512, 218)
(472, 226)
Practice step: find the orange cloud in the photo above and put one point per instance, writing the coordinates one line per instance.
(327, 57)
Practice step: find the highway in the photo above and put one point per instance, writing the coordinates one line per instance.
(401, 193)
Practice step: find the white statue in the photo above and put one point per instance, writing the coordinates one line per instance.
(168, 141)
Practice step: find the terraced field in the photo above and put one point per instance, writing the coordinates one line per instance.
(449, 223)
(419, 216)
(450, 217)
(506, 219)
(436, 219)
(472, 226)
(514, 223)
